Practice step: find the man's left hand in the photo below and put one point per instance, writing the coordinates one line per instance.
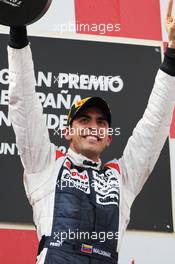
(170, 25)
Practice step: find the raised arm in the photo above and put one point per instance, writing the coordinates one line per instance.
(145, 144)
(25, 110)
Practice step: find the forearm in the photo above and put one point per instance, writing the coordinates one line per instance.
(21, 74)
(145, 144)
(25, 111)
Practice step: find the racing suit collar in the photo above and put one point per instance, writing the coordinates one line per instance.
(82, 161)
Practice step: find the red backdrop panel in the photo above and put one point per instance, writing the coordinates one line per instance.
(138, 19)
(18, 246)
(97, 12)
(172, 130)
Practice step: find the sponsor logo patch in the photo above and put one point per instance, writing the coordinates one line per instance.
(106, 187)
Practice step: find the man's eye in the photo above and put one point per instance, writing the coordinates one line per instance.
(84, 120)
(102, 122)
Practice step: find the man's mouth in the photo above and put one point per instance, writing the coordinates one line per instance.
(92, 138)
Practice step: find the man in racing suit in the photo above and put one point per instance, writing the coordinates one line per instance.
(74, 198)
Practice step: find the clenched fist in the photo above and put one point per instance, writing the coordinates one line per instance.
(170, 25)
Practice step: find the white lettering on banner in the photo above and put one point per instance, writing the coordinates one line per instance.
(53, 121)
(4, 97)
(73, 81)
(89, 82)
(8, 148)
(5, 119)
(115, 84)
(11, 149)
(43, 78)
(4, 76)
(57, 101)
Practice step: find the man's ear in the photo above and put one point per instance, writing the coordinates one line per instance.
(67, 133)
(109, 140)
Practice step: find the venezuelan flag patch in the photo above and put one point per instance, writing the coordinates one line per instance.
(86, 248)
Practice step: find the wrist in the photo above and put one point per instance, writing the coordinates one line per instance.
(18, 37)
(168, 65)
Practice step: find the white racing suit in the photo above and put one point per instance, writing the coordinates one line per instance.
(42, 169)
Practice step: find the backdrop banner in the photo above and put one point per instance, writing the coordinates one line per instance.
(68, 70)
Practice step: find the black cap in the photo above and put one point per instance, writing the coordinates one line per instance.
(88, 102)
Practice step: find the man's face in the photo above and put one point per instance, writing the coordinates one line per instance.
(88, 133)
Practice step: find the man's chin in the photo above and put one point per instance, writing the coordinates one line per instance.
(91, 146)
(90, 151)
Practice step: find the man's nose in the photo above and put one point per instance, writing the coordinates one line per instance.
(93, 123)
